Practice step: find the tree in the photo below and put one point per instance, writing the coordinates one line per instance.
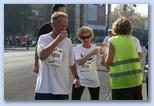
(16, 18)
(129, 11)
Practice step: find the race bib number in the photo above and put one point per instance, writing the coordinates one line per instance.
(86, 67)
(56, 57)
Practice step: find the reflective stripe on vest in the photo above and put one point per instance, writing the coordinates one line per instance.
(125, 61)
(128, 72)
(125, 73)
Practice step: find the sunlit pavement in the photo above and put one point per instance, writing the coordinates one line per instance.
(144, 90)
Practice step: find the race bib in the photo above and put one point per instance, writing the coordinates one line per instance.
(86, 67)
(56, 57)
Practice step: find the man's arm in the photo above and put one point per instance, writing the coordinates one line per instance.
(50, 48)
(110, 56)
(46, 28)
(76, 78)
(36, 58)
(140, 55)
(36, 64)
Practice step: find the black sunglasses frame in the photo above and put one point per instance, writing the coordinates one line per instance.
(84, 37)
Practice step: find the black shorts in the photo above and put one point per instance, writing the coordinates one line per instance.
(48, 96)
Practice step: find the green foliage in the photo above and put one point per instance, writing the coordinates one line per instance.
(16, 18)
(136, 18)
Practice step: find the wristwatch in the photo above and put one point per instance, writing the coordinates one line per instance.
(76, 77)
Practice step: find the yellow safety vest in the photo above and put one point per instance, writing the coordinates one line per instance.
(125, 72)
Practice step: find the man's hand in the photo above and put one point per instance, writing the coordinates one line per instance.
(77, 82)
(36, 69)
(62, 35)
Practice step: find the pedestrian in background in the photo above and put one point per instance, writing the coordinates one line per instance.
(107, 37)
(46, 28)
(27, 41)
(123, 63)
(142, 40)
(87, 55)
(56, 57)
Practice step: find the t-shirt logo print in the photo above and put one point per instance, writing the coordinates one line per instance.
(86, 67)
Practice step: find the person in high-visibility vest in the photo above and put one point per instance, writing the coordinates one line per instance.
(123, 62)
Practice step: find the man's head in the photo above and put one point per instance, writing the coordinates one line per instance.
(58, 8)
(59, 22)
(110, 32)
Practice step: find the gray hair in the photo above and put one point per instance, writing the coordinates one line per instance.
(57, 15)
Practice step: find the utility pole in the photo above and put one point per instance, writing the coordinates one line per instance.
(108, 18)
(125, 10)
(77, 17)
(85, 14)
(131, 9)
(134, 5)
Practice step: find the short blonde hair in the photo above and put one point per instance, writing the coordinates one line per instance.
(84, 29)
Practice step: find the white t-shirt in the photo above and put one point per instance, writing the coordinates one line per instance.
(88, 71)
(106, 39)
(137, 44)
(54, 78)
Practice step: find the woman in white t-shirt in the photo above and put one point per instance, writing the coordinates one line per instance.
(87, 55)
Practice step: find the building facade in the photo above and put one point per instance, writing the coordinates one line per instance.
(92, 15)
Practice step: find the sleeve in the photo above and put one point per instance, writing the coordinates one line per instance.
(137, 45)
(104, 41)
(41, 44)
(77, 53)
(110, 40)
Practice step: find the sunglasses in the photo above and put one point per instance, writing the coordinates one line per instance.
(84, 37)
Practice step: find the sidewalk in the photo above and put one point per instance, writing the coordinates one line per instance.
(144, 90)
(19, 48)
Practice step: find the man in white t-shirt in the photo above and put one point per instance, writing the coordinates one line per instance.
(56, 56)
(107, 37)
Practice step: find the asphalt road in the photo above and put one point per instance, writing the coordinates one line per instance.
(19, 79)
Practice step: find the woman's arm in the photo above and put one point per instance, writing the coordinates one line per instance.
(110, 54)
